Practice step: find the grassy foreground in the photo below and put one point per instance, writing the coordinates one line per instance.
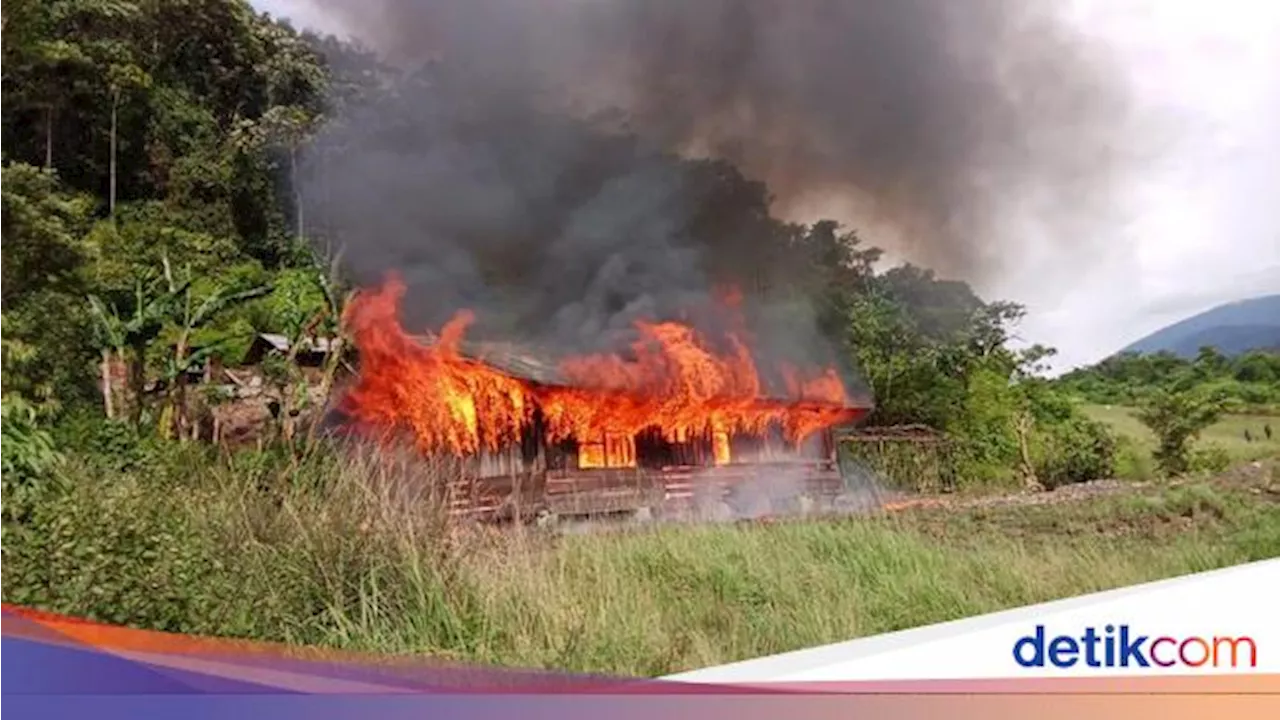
(350, 554)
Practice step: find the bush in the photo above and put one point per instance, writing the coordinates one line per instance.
(1075, 450)
(117, 553)
(110, 445)
(984, 428)
(1209, 458)
(28, 455)
(250, 544)
(1133, 461)
(1176, 417)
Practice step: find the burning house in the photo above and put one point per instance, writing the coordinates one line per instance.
(675, 422)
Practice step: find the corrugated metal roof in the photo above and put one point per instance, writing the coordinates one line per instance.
(316, 345)
(518, 362)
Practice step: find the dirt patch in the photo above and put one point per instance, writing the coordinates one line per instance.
(1261, 477)
(1151, 511)
(1068, 493)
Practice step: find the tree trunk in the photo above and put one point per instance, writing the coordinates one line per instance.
(107, 404)
(178, 395)
(115, 104)
(48, 137)
(138, 379)
(297, 194)
(1030, 481)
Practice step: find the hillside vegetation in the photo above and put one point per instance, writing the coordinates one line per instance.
(1200, 413)
(1248, 382)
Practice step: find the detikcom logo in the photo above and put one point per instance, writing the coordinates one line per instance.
(1120, 646)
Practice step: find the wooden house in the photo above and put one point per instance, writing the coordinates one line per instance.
(589, 476)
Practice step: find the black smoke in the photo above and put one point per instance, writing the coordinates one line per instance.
(523, 163)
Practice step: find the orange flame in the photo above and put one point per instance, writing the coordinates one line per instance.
(675, 385)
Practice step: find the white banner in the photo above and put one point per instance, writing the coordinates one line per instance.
(1220, 622)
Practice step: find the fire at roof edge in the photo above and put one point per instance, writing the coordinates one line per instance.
(536, 366)
(461, 397)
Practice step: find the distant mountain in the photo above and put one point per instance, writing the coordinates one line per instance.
(1232, 328)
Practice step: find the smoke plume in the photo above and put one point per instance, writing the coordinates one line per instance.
(941, 129)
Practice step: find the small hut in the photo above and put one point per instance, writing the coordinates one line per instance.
(311, 356)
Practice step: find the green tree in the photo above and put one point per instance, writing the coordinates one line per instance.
(1257, 366)
(288, 127)
(43, 259)
(123, 78)
(1177, 416)
(27, 457)
(1209, 363)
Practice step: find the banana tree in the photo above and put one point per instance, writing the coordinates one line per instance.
(130, 335)
(336, 302)
(307, 308)
(192, 314)
(109, 334)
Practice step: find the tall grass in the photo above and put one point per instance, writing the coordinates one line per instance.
(350, 548)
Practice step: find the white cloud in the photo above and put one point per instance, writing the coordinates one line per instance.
(1204, 225)
(302, 13)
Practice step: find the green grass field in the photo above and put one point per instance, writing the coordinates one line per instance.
(337, 556)
(1227, 433)
(656, 602)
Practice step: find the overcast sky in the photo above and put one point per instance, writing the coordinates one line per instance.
(1199, 229)
(1204, 228)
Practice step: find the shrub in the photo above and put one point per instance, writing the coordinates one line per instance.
(1209, 458)
(1075, 450)
(117, 553)
(250, 544)
(1133, 461)
(987, 441)
(28, 455)
(110, 445)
